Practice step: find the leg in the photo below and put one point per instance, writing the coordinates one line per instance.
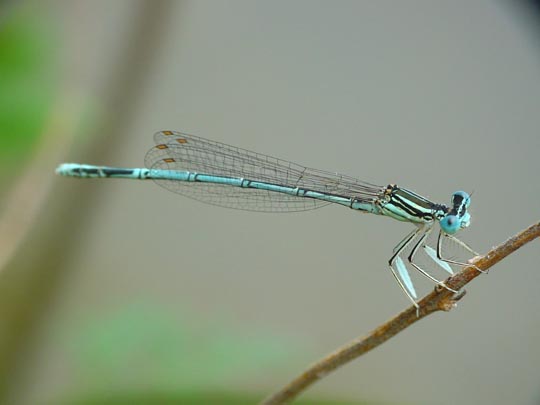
(400, 271)
(463, 244)
(422, 271)
(432, 253)
(412, 298)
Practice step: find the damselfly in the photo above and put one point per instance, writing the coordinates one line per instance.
(223, 175)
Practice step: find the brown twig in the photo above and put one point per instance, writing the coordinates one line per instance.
(24, 202)
(36, 246)
(438, 300)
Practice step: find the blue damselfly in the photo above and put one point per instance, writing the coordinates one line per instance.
(223, 175)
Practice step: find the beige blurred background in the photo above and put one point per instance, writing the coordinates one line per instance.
(434, 96)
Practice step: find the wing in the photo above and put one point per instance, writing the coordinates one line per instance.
(191, 153)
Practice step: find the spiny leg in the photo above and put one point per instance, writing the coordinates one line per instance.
(401, 267)
(422, 271)
(432, 253)
(463, 244)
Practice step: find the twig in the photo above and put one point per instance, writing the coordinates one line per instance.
(438, 300)
(24, 202)
(34, 262)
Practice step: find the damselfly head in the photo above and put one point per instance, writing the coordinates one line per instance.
(457, 217)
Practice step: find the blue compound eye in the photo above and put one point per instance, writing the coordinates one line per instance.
(461, 197)
(450, 224)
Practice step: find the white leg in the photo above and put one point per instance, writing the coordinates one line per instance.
(422, 271)
(401, 269)
(463, 244)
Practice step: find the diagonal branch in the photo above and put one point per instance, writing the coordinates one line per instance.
(438, 300)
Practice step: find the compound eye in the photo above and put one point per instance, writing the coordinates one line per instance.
(461, 197)
(450, 224)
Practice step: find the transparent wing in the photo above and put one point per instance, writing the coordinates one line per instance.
(180, 151)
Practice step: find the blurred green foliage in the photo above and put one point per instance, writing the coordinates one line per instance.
(144, 344)
(27, 81)
(196, 398)
(147, 354)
